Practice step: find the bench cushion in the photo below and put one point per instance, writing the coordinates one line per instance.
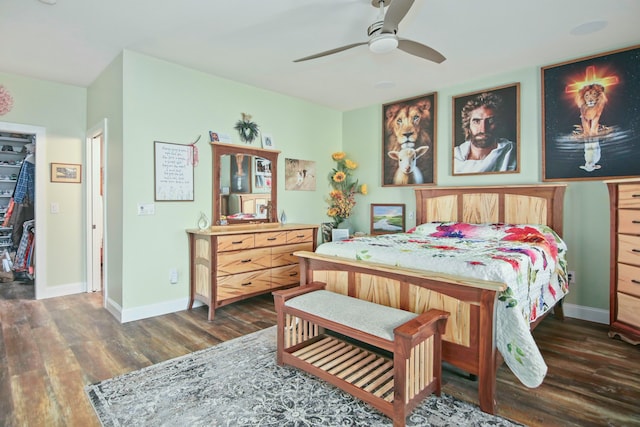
(369, 317)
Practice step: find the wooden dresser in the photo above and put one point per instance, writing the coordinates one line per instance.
(232, 263)
(625, 259)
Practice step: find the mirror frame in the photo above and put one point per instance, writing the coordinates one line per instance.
(222, 149)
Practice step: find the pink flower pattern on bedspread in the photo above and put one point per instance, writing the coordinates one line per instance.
(529, 259)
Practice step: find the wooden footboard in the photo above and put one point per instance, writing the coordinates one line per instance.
(468, 341)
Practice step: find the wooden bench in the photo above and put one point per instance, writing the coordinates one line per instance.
(394, 383)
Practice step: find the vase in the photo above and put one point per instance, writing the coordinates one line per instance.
(326, 228)
(346, 224)
(203, 221)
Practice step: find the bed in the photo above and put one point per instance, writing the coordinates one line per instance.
(512, 273)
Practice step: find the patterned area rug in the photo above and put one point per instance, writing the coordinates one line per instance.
(238, 383)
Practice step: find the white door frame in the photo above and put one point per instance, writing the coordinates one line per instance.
(94, 271)
(40, 204)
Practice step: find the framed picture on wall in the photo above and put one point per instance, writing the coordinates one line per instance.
(66, 172)
(387, 218)
(408, 141)
(486, 131)
(590, 120)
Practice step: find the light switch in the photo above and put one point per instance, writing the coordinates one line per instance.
(146, 209)
(55, 208)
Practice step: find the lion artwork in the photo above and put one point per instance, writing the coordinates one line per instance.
(590, 100)
(406, 126)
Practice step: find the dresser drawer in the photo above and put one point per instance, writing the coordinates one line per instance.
(629, 196)
(234, 242)
(629, 249)
(271, 239)
(629, 279)
(244, 283)
(299, 236)
(283, 276)
(242, 261)
(283, 255)
(629, 221)
(628, 309)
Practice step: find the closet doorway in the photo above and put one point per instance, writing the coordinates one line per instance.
(36, 137)
(96, 208)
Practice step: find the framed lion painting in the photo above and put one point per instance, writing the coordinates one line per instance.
(590, 120)
(408, 141)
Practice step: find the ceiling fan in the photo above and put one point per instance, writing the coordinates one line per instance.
(383, 37)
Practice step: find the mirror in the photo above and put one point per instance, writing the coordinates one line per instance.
(244, 184)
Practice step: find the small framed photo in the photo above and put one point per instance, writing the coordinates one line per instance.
(66, 172)
(338, 234)
(215, 136)
(267, 141)
(387, 218)
(486, 129)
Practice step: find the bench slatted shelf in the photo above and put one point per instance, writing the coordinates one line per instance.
(387, 357)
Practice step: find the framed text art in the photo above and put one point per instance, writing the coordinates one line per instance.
(387, 218)
(486, 131)
(66, 172)
(408, 141)
(590, 120)
(173, 172)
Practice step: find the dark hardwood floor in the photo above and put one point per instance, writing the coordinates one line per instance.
(50, 349)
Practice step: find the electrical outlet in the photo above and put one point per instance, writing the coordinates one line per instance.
(572, 278)
(173, 276)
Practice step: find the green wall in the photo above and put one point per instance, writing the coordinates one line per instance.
(147, 100)
(61, 110)
(169, 103)
(586, 212)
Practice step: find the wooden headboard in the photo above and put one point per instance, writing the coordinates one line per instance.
(512, 204)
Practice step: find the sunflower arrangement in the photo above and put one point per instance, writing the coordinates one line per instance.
(343, 188)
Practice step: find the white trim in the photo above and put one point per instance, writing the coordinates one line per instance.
(590, 314)
(60, 290)
(114, 308)
(40, 204)
(93, 132)
(146, 311)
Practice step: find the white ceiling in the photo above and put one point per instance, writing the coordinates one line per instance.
(255, 41)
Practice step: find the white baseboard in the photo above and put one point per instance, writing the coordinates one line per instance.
(43, 292)
(590, 314)
(137, 313)
(574, 311)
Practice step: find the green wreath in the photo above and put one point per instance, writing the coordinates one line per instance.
(247, 129)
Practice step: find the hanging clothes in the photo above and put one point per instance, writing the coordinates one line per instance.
(25, 247)
(25, 186)
(23, 197)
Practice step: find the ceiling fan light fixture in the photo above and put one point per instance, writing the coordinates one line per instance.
(383, 43)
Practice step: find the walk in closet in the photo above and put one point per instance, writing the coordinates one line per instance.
(17, 217)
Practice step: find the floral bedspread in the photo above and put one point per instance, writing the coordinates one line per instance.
(529, 259)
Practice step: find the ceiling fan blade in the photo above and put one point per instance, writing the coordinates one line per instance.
(330, 52)
(395, 13)
(420, 50)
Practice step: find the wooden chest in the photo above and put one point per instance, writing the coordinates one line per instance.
(625, 260)
(229, 264)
